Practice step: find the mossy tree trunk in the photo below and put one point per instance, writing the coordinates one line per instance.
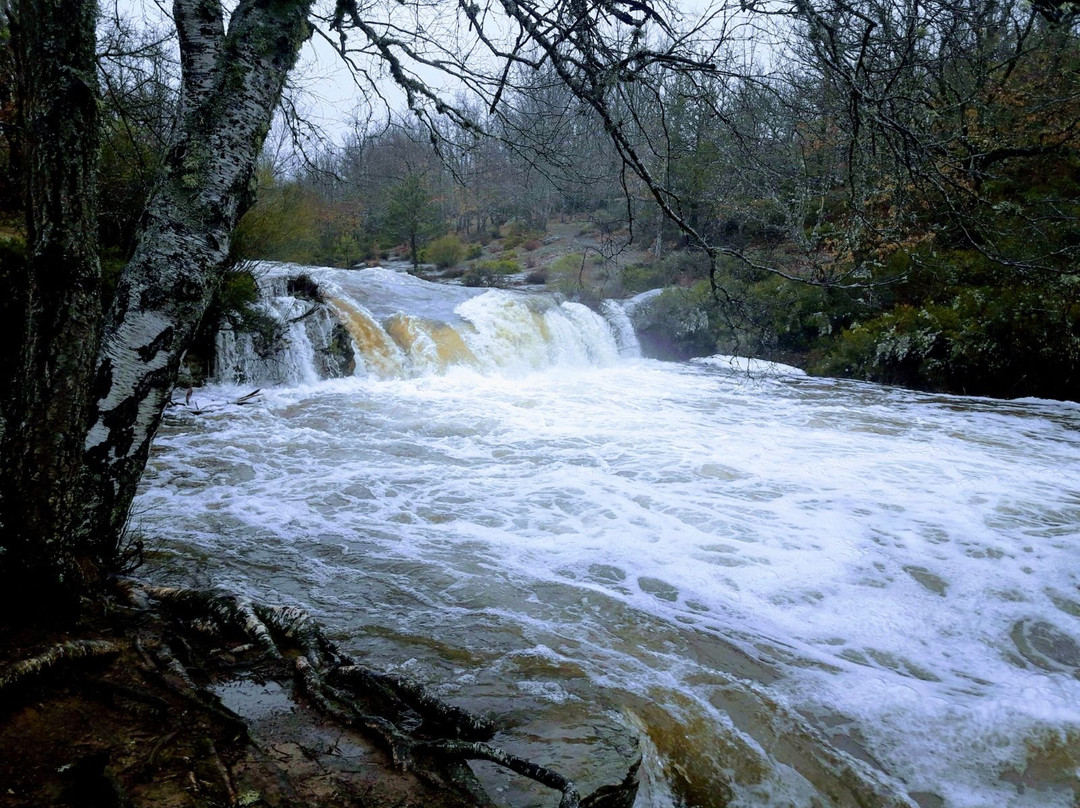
(56, 293)
(89, 390)
(232, 80)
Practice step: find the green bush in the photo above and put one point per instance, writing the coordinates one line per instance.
(238, 291)
(567, 265)
(500, 266)
(520, 233)
(445, 251)
(643, 277)
(676, 269)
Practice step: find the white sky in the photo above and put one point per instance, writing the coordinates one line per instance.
(322, 87)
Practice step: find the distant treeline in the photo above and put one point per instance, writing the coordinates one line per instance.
(894, 195)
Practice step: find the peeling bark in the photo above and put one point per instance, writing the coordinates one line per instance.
(232, 80)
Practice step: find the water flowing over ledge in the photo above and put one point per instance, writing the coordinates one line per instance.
(402, 326)
(801, 591)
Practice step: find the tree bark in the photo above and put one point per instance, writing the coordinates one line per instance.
(57, 294)
(232, 81)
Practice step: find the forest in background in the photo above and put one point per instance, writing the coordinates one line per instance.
(890, 192)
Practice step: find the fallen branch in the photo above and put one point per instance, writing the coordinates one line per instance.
(193, 406)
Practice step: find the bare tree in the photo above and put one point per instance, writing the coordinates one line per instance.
(64, 508)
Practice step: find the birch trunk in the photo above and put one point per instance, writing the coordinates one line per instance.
(45, 401)
(232, 81)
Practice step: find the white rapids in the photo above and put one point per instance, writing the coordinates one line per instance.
(800, 591)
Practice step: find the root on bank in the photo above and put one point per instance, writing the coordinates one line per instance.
(58, 655)
(422, 734)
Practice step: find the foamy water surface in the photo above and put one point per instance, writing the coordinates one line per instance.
(783, 582)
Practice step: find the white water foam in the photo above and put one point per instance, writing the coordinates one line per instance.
(880, 560)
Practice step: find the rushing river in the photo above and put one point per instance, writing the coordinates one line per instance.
(799, 591)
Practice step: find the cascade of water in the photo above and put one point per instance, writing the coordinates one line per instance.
(619, 321)
(376, 352)
(402, 326)
(284, 355)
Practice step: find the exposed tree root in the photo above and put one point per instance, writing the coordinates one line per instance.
(167, 670)
(421, 733)
(60, 654)
(459, 723)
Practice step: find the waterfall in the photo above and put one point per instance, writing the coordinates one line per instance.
(619, 319)
(402, 326)
(283, 356)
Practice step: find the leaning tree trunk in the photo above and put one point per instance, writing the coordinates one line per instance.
(56, 294)
(232, 81)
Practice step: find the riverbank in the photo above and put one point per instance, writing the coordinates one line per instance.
(138, 705)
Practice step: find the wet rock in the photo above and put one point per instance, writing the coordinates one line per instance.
(659, 589)
(1046, 646)
(606, 573)
(335, 359)
(928, 580)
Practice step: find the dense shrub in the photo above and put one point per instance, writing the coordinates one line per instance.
(676, 269)
(500, 266)
(445, 251)
(566, 265)
(302, 286)
(642, 277)
(520, 233)
(984, 341)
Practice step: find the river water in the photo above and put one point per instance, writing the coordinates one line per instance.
(798, 591)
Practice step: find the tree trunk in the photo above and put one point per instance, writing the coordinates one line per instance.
(232, 82)
(57, 294)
